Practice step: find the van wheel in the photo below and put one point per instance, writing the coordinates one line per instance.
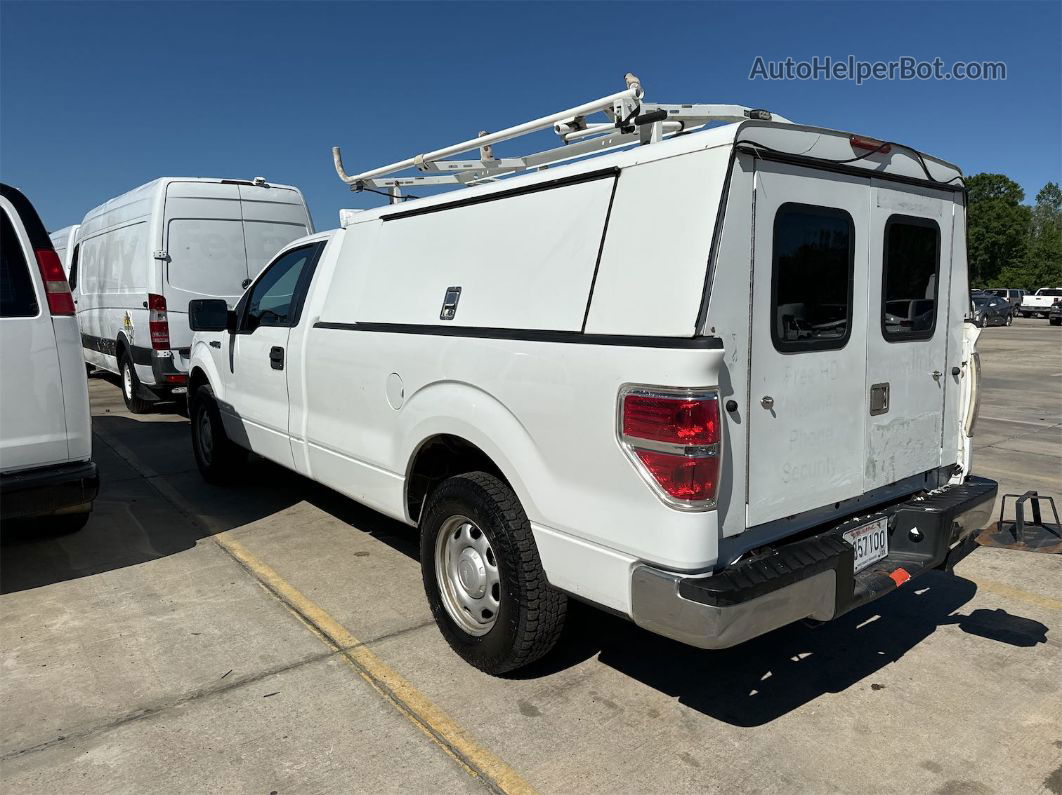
(220, 460)
(483, 576)
(130, 384)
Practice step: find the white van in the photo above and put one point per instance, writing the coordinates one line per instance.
(46, 467)
(665, 380)
(63, 242)
(141, 257)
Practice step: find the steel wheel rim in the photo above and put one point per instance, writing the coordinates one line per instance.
(127, 381)
(205, 436)
(466, 571)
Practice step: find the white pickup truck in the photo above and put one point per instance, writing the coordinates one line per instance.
(675, 380)
(1040, 302)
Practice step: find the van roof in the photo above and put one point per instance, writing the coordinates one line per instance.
(816, 146)
(149, 190)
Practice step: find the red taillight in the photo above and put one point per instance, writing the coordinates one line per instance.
(158, 325)
(870, 145)
(693, 479)
(60, 301)
(673, 435)
(667, 419)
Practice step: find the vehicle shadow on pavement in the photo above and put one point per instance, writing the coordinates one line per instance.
(133, 521)
(765, 678)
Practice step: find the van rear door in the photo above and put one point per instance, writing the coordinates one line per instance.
(219, 236)
(907, 374)
(204, 241)
(808, 401)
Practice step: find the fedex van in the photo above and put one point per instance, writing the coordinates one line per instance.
(139, 258)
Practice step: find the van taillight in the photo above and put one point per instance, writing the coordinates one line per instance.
(60, 301)
(158, 324)
(673, 437)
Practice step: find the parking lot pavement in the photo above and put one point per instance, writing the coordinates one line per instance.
(273, 637)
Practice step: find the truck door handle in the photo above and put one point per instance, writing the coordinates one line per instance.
(276, 357)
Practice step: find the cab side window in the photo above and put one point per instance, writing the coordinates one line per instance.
(18, 298)
(276, 298)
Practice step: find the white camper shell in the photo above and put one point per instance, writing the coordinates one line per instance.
(63, 242)
(718, 382)
(142, 256)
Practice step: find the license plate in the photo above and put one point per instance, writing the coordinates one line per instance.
(870, 542)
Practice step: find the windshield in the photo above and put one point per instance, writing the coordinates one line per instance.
(980, 301)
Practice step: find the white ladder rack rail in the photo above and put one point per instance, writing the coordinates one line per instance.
(630, 121)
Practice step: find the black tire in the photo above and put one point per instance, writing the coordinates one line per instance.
(1055, 321)
(531, 613)
(220, 460)
(130, 384)
(1010, 320)
(984, 322)
(1026, 314)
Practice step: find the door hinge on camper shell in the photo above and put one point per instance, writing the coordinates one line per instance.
(161, 254)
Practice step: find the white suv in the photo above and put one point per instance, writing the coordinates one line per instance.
(46, 467)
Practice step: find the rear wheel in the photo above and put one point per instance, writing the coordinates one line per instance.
(220, 460)
(483, 576)
(130, 386)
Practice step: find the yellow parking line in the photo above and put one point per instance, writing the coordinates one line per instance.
(1002, 589)
(421, 712)
(411, 703)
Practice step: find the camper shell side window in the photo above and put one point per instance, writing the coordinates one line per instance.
(813, 267)
(910, 273)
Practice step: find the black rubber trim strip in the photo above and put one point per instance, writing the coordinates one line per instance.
(600, 250)
(538, 187)
(38, 235)
(531, 335)
(139, 354)
(713, 254)
(852, 171)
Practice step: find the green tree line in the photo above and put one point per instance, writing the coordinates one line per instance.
(1010, 243)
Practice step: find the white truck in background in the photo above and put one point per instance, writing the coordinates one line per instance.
(63, 242)
(715, 380)
(1040, 302)
(139, 258)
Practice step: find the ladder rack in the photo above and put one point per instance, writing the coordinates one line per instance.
(628, 120)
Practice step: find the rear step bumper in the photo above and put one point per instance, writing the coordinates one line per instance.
(812, 578)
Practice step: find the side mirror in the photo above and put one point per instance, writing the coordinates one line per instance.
(210, 314)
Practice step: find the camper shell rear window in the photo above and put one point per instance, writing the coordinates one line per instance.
(910, 273)
(812, 274)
